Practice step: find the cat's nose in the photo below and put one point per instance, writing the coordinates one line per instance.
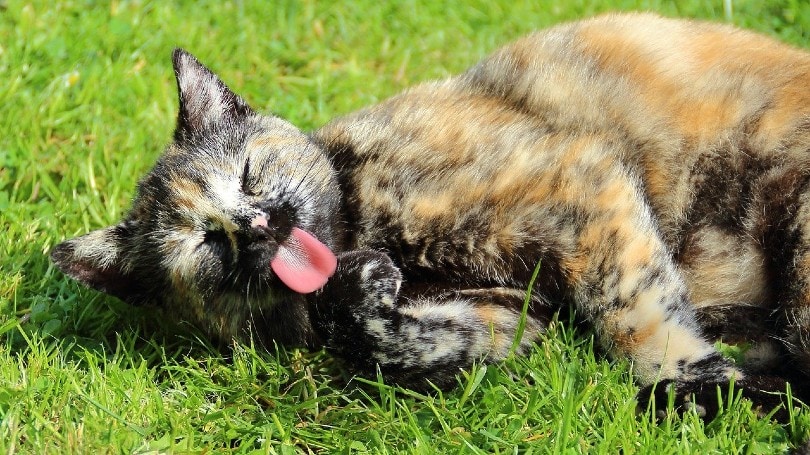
(259, 227)
(268, 223)
(263, 228)
(259, 221)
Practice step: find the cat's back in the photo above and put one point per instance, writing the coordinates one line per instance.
(645, 74)
(666, 87)
(531, 131)
(683, 95)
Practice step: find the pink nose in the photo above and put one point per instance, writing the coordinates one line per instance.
(259, 221)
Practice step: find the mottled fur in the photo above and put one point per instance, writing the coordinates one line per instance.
(658, 169)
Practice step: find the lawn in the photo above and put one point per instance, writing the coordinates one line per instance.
(87, 101)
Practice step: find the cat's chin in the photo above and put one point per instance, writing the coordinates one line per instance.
(276, 315)
(259, 300)
(260, 290)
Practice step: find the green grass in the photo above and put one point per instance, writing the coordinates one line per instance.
(87, 101)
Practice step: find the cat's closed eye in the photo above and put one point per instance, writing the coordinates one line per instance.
(249, 183)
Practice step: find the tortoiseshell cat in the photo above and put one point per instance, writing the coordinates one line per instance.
(657, 169)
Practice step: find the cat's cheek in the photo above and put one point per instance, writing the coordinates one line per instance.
(208, 277)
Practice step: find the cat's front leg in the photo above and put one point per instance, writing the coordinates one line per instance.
(362, 291)
(419, 340)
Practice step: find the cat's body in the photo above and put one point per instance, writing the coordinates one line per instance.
(656, 169)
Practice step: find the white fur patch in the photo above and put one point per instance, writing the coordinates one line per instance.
(377, 327)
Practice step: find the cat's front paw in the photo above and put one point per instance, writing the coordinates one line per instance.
(365, 284)
(365, 277)
(707, 398)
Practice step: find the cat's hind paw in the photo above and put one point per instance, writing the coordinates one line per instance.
(707, 399)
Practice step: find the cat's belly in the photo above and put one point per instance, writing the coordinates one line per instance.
(727, 278)
(722, 269)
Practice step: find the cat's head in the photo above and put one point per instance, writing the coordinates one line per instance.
(234, 192)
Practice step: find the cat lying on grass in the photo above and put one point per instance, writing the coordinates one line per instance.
(657, 169)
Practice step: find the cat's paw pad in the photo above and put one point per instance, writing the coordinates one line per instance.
(706, 399)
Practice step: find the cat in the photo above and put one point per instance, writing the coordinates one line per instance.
(656, 169)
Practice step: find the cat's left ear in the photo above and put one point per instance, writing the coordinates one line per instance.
(204, 99)
(96, 260)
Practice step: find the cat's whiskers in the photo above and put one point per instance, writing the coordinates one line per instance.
(251, 315)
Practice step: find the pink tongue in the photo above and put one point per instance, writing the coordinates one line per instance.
(303, 263)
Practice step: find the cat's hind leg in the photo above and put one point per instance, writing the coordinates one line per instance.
(626, 284)
(420, 340)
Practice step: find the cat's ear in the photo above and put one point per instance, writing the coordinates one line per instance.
(204, 98)
(95, 260)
